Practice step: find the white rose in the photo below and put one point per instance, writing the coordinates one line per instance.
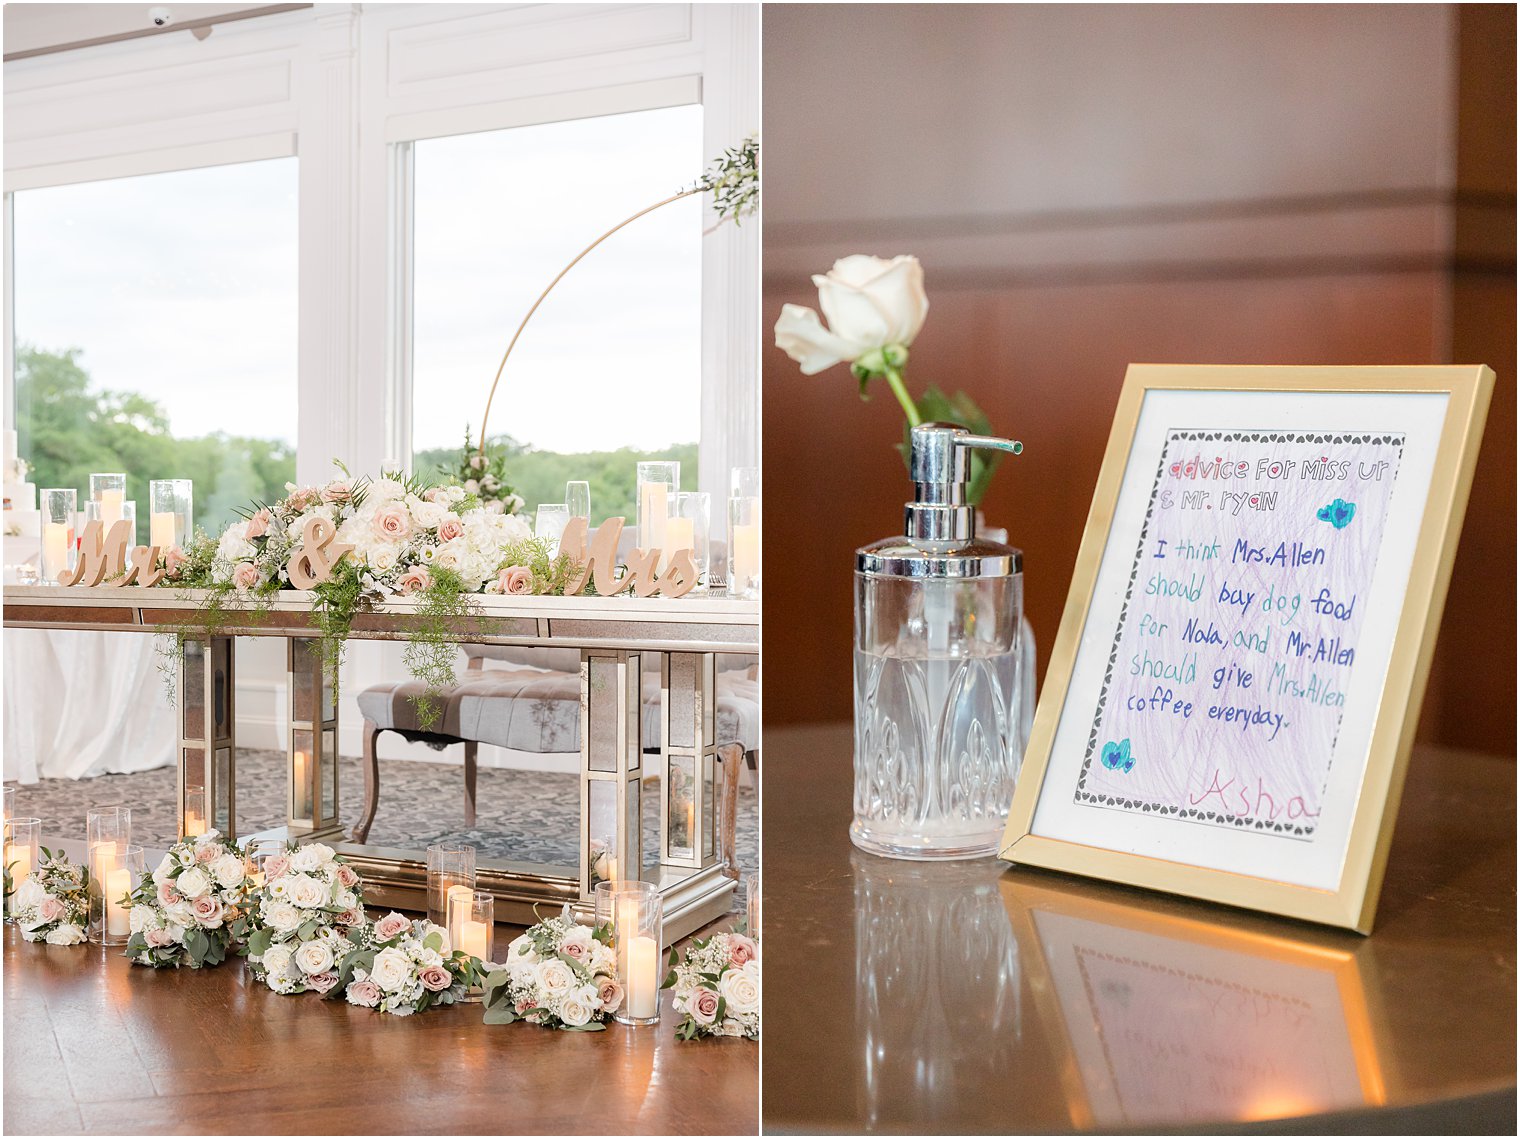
(392, 969)
(310, 857)
(427, 514)
(307, 892)
(451, 555)
(282, 917)
(314, 957)
(740, 988)
(383, 558)
(164, 869)
(29, 894)
(277, 962)
(554, 976)
(141, 918)
(345, 899)
(577, 1006)
(65, 935)
(175, 930)
(471, 486)
(228, 870)
(193, 883)
(870, 304)
(385, 490)
(520, 954)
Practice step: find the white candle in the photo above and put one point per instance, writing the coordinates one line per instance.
(194, 823)
(474, 940)
(19, 860)
(691, 824)
(118, 883)
(305, 808)
(654, 499)
(746, 553)
(161, 529)
(56, 539)
(110, 507)
(456, 911)
(679, 535)
(642, 982)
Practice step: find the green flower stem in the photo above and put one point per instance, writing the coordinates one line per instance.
(894, 378)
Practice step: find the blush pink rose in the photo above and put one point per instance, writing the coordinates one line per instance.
(703, 1006)
(393, 523)
(157, 938)
(207, 854)
(515, 580)
(337, 491)
(523, 1006)
(347, 876)
(414, 580)
(258, 525)
(741, 950)
(299, 500)
(435, 978)
(322, 982)
(610, 993)
(449, 529)
(51, 909)
(575, 950)
(175, 560)
(392, 925)
(246, 576)
(354, 916)
(276, 867)
(168, 895)
(436, 494)
(207, 910)
(365, 994)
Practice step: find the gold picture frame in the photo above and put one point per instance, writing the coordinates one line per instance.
(1352, 902)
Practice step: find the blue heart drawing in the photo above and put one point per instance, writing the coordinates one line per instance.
(1339, 513)
(1116, 756)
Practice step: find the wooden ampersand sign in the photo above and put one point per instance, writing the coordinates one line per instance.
(599, 563)
(103, 559)
(313, 560)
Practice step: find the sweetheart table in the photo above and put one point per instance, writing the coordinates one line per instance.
(612, 634)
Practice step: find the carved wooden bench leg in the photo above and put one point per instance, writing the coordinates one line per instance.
(371, 782)
(470, 747)
(731, 762)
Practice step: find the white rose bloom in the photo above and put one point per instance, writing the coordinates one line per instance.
(554, 976)
(521, 951)
(426, 514)
(228, 870)
(175, 930)
(454, 495)
(740, 988)
(392, 970)
(163, 871)
(576, 1007)
(193, 882)
(451, 555)
(311, 857)
(65, 935)
(471, 486)
(345, 899)
(30, 893)
(384, 490)
(383, 559)
(314, 957)
(870, 304)
(307, 892)
(282, 917)
(278, 962)
(141, 919)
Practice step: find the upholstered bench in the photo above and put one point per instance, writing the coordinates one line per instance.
(534, 705)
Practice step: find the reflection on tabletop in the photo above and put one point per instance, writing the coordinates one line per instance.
(1150, 1018)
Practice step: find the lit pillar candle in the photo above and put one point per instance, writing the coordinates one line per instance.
(654, 499)
(456, 912)
(111, 507)
(19, 860)
(305, 808)
(642, 981)
(118, 883)
(679, 535)
(161, 530)
(691, 824)
(56, 539)
(473, 938)
(746, 552)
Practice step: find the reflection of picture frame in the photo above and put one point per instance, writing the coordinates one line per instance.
(1144, 1004)
(1233, 691)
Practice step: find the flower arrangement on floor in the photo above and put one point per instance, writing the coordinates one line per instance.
(184, 913)
(875, 310)
(482, 471)
(559, 974)
(401, 966)
(52, 903)
(716, 987)
(294, 928)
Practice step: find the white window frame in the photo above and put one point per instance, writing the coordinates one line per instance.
(348, 88)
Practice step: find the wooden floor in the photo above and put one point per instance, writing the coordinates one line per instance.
(93, 1045)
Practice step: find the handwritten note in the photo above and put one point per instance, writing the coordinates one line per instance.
(1223, 693)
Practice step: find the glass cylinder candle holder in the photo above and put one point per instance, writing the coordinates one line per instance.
(634, 910)
(259, 853)
(475, 917)
(656, 482)
(690, 528)
(114, 872)
(170, 513)
(604, 862)
(578, 499)
(743, 547)
(450, 865)
(108, 833)
(59, 507)
(22, 838)
(550, 520)
(95, 512)
(195, 812)
(10, 803)
(108, 493)
(744, 482)
(752, 905)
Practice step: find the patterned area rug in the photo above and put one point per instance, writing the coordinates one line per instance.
(529, 816)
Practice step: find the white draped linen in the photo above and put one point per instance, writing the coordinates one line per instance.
(80, 704)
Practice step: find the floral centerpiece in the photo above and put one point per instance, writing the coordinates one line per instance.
(482, 471)
(716, 987)
(876, 308)
(52, 903)
(401, 966)
(183, 914)
(559, 974)
(294, 928)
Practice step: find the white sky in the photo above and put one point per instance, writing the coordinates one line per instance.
(183, 286)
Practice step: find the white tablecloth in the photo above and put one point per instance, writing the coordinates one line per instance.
(79, 704)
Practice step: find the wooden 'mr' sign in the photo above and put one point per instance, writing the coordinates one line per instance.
(103, 559)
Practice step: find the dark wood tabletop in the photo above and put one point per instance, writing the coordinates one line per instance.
(975, 997)
(94, 1045)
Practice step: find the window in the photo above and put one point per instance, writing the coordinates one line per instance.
(155, 325)
(609, 369)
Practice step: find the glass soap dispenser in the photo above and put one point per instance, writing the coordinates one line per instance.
(944, 668)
